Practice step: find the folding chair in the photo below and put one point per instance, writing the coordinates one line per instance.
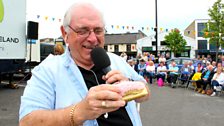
(183, 78)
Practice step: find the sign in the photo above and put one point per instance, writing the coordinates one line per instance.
(32, 41)
(110, 48)
(133, 48)
(122, 48)
(1, 11)
(13, 29)
(187, 47)
(146, 49)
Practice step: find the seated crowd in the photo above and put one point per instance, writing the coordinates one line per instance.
(207, 78)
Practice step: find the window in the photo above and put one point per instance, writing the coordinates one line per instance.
(212, 46)
(116, 48)
(163, 43)
(128, 48)
(154, 43)
(105, 47)
(201, 27)
(202, 44)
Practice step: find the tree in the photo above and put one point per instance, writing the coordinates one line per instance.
(214, 28)
(175, 41)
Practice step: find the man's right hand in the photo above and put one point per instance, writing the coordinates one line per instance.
(99, 100)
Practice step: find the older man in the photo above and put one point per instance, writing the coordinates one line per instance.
(205, 79)
(173, 74)
(67, 90)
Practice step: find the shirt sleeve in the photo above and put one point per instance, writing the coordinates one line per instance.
(39, 93)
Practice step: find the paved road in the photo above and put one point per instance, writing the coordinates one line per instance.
(9, 106)
(181, 107)
(167, 107)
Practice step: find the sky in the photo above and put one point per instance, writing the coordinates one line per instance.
(132, 13)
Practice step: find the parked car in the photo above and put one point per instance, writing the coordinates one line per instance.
(180, 61)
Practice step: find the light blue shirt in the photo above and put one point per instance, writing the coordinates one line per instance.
(174, 68)
(58, 83)
(207, 74)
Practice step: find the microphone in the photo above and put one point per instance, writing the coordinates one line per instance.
(100, 59)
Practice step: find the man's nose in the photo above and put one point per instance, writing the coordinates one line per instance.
(92, 36)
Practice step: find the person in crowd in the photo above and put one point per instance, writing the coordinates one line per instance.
(162, 59)
(214, 66)
(197, 74)
(130, 62)
(205, 68)
(161, 71)
(68, 90)
(141, 67)
(209, 59)
(172, 74)
(205, 80)
(202, 58)
(145, 56)
(218, 81)
(198, 57)
(222, 60)
(219, 65)
(152, 57)
(58, 49)
(190, 64)
(150, 71)
(135, 65)
(124, 56)
(199, 68)
(185, 72)
(138, 56)
(167, 56)
(219, 58)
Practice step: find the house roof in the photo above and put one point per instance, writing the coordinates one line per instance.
(125, 38)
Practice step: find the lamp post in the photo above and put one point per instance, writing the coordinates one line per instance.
(156, 28)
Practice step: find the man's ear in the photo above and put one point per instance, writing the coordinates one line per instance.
(64, 34)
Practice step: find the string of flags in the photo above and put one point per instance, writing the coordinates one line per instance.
(115, 27)
(145, 28)
(127, 27)
(47, 18)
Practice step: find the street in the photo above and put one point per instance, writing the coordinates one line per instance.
(181, 107)
(166, 107)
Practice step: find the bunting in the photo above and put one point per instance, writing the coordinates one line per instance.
(48, 18)
(115, 27)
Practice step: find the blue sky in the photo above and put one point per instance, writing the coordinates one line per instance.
(132, 13)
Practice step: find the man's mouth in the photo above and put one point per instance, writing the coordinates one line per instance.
(90, 47)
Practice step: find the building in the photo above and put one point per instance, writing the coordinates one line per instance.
(195, 31)
(148, 44)
(126, 42)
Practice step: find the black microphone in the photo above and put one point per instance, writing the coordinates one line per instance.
(100, 59)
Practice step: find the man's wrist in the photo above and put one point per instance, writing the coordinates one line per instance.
(73, 116)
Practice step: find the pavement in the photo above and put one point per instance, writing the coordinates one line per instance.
(166, 107)
(181, 107)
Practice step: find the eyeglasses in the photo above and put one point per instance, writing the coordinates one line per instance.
(85, 32)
